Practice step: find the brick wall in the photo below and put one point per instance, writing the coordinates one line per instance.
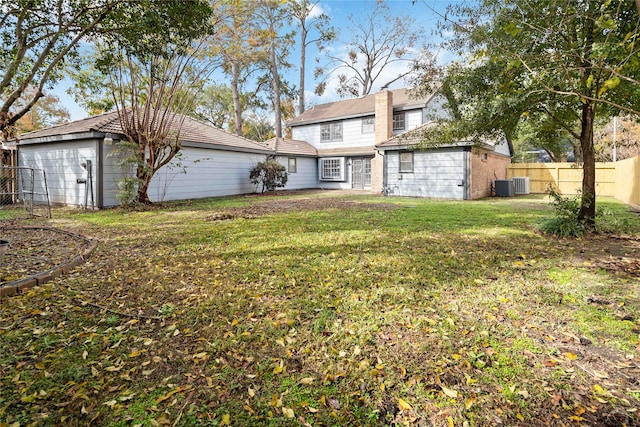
(486, 167)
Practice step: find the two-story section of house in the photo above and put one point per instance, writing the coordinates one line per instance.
(345, 134)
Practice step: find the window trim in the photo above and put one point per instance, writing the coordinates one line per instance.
(400, 162)
(404, 120)
(331, 127)
(293, 169)
(341, 169)
(372, 124)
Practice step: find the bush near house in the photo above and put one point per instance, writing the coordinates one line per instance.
(270, 174)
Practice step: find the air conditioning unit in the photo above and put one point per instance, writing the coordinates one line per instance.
(521, 185)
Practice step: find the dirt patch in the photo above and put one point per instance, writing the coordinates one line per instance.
(33, 250)
(271, 207)
(616, 254)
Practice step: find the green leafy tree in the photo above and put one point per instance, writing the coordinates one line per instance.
(42, 37)
(566, 62)
(47, 112)
(90, 87)
(269, 174)
(238, 45)
(38, 37)
(258, 127)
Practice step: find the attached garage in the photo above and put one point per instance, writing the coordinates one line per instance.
(460, 172)
(80, 162)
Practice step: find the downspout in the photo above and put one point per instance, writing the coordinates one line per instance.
(384, 173)
(467, 173)
(99, 173)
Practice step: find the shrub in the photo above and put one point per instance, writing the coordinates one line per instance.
(270, 174)
(565, 222)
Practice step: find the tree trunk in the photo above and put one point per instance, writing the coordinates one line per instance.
(277, 109)
(587, 214)
(237, 108)
(143, 183)
(303, 58)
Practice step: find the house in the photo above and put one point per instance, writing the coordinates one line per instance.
(80, 162)
(372, 142)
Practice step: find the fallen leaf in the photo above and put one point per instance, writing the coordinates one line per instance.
(449, 392)
(469, 403)
(288, 412)
(111, 403)
(226, 420)
(403, 405)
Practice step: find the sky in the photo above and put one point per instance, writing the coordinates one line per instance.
(422, 11)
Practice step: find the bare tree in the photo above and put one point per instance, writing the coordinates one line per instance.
(308, 20)
(379, 40)
(152, 96)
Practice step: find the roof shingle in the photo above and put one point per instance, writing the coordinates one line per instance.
(357, 107)
(291, 146)
(192, 130)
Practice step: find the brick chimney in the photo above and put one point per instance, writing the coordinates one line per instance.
(384, 116)
(384, 131)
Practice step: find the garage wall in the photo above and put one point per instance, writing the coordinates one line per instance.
(61, 163)
(486, 167)
(436, 174)
(306, 175)
(209, 173)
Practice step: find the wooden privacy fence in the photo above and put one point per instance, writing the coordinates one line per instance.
(615, 179)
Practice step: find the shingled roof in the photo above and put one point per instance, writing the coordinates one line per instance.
(291, 146)
(193, 131)
(357, 107)
(413, 138)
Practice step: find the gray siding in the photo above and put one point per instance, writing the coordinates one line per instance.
(61, 163)
(436, 174)
(111, 174)
(209, 173)
(306, 175)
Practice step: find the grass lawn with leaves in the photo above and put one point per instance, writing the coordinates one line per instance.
(333, 309)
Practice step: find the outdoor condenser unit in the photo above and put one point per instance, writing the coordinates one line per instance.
(521, 185)
(504, 187)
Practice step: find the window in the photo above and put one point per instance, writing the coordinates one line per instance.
(406, 162)
(332, 169)
(369, 125)
(293, 165)
(331, 132)
(398, 121)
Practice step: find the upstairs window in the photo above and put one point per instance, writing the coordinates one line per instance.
(399, 121)
(330, 132)
(368, 125)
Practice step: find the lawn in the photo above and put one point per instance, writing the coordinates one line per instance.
(318, 309)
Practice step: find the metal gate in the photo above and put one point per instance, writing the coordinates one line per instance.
(27, 186)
